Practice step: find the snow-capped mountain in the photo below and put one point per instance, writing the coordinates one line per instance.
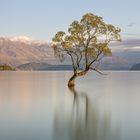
(19, 50)
(21, 39)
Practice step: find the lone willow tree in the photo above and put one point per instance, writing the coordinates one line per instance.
(86, 43)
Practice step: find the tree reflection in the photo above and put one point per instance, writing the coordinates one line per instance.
(82, 119)
(76, 103)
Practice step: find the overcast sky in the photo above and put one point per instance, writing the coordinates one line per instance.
(41, 19)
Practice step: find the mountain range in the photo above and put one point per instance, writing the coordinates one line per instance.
(25, 53)
(43, 67)
(20, 50)
(136, 67)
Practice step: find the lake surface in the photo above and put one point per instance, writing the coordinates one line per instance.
(39, 106)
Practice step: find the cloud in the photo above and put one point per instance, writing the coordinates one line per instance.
(131, 34)
(131, 24)
(127, 44)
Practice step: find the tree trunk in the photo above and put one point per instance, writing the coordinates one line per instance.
(71, 82)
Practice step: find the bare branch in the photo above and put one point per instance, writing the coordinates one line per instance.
(80, 57)
(97, 71)
(72, 59)
(97, 56)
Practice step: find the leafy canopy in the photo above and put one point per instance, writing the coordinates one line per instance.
(87, 41)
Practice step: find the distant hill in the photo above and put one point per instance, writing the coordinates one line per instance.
(136, 67)
(60, 67)
(6, 68)
(19, 50)
(43, 67)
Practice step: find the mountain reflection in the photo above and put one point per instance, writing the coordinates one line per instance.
(83, 120)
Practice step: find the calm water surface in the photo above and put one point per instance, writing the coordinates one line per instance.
(39, 106)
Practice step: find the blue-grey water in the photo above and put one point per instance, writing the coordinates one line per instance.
(39, 106)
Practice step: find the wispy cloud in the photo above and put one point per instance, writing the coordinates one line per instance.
(131, 24)
(127, 44)
(132, 34)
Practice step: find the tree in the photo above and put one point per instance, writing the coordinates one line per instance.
(6, 68)
(86, 43)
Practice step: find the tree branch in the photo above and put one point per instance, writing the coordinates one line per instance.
(73, 64)
(95, 59)
(97, 71)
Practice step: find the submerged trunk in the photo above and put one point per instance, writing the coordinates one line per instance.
(71, 82)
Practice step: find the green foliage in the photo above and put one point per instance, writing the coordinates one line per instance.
(6, 68)
(87, 41)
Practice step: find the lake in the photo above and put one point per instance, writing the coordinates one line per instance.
(39, 106)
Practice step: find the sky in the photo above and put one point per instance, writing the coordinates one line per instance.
(41, 19)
